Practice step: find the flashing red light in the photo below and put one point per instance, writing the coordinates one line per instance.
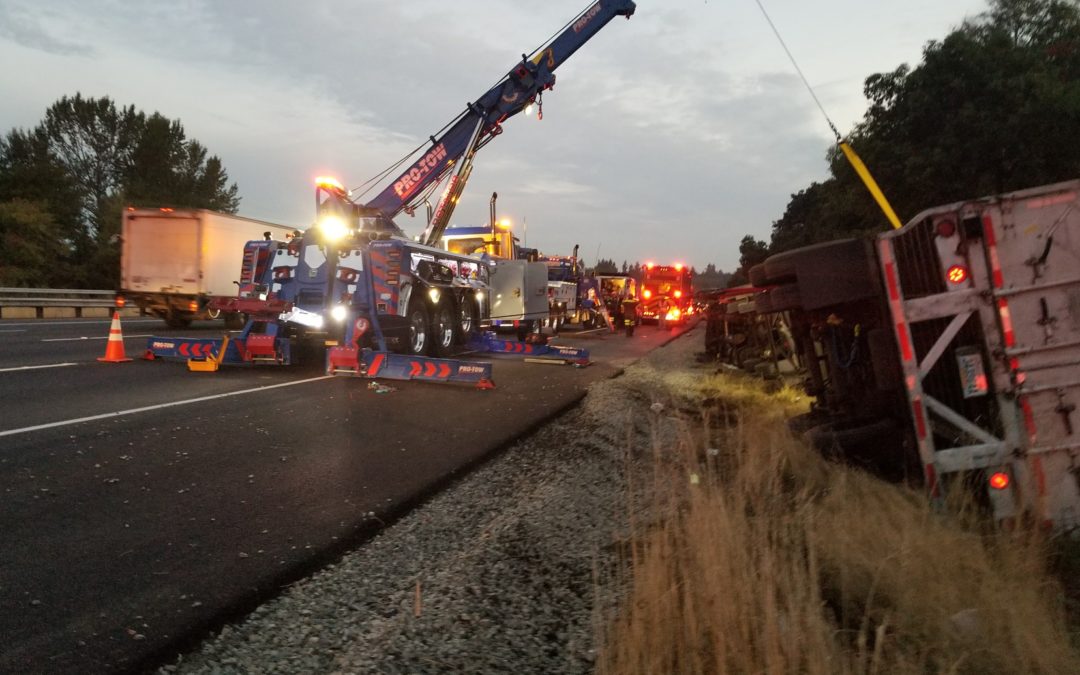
(678, 267)
(999, 480)
(678, 294)
(120, 302)
(648, 265)
(946, 229)
(646, 294)
(166, 209)
(957, 274)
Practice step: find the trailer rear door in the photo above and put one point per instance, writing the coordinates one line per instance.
(160, 252)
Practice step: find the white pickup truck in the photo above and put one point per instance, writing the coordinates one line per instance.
(173, 261)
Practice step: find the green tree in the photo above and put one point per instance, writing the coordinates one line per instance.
(87, 159)
(751, 252)
(605, 266)
(992, 107)
(32, 249)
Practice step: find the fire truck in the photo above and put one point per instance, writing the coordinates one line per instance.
(355, 273)
(667, 290)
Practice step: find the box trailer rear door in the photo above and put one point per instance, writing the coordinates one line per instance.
(1033, 248)
(161, 253)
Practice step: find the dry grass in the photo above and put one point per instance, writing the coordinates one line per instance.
(761, 557)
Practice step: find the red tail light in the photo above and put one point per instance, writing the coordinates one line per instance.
(957, 274)
(999, 480)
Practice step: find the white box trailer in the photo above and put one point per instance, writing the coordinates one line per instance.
(985, 299)
(173, 261)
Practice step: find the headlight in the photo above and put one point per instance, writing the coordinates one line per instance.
(339, 312)
(333, 228)
(434, 294)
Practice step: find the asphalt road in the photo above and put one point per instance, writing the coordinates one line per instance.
(143, 504)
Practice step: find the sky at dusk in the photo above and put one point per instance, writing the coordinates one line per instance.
(667, 137)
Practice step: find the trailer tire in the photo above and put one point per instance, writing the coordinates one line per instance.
(825, 436)
(176, 320)
(762, 304)
(418, 326)
(757, 276)
(784, 298)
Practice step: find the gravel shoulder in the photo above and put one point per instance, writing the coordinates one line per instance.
(510, 569)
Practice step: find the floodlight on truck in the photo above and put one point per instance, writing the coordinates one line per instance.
(338, 313)
(333, 228)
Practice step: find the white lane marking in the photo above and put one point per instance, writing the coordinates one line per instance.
(89, 322)
(132, 411)
(51, 365)
(105, 337)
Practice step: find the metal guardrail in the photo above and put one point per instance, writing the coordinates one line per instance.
(42, 298)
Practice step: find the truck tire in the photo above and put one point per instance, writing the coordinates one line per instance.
(757, 276)
(417, 319)
(525, 328)
(235, 320)
(762, 304)
(846, 436)
(177, 320)
(784, 298)
(445, 325)
(469, 314)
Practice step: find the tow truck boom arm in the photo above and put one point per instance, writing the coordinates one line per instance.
(481, 121)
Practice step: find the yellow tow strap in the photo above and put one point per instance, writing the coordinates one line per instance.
(870, 183)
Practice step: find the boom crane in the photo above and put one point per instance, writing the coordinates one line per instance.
(384, 304)
(471, 130)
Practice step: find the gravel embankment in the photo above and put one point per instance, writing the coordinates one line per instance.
(509, 570)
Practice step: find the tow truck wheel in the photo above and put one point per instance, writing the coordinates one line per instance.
(443, 328)
(419, 328)
(235, 320)
(469, 313)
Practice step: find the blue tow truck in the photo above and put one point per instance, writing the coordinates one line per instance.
(383, 304)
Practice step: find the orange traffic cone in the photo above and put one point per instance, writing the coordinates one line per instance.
(114, 350)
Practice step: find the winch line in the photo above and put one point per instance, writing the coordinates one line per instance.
(849, 152)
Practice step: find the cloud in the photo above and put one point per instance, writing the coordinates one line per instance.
(29, 28)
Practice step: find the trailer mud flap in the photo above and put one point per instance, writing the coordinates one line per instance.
(367, 363)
